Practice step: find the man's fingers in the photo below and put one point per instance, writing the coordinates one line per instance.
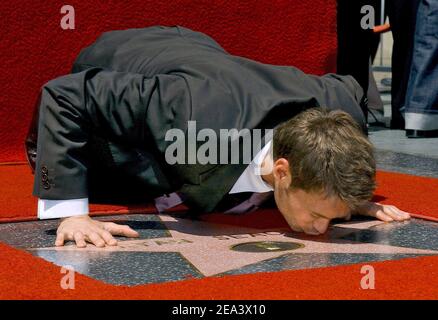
(404, 214)
(407, 214)
(96, 239)
(381, 215)
(384, 212)
(396, 214)
(109, 239)
(119, 230)
(100, 234)
(80, 240)
(60, 237)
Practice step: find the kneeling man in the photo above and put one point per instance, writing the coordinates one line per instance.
(110, 130)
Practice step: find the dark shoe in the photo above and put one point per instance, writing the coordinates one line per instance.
(422, 133)
(397, 123)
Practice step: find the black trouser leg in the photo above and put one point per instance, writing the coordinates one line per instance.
(402, 17)
(356, 45)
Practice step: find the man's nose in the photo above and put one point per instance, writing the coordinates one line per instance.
(321, 225)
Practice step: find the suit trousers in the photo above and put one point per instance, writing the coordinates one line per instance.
(421, 109)
(402, 17)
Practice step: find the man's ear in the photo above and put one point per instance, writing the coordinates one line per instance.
(281, 172)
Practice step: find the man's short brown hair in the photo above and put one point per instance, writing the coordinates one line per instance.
(327, 152)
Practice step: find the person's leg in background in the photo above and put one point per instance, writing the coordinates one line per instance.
(402, 17)
(355, 44)
(421, 108)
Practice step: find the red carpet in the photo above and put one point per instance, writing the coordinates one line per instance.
(302, 33)
(416, 195)
(35, 49)
(26, 277)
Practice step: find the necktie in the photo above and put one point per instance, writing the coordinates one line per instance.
(168, 201)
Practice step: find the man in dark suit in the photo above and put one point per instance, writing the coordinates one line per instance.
(102, 132)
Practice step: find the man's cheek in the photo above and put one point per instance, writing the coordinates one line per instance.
(306, 225)
(292, 222)
(302, 223)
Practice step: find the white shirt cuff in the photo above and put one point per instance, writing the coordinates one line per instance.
(51, 209)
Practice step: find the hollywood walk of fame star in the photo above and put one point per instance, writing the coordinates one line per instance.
(209, 246)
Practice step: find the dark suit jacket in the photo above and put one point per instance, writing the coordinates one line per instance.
(129, 87)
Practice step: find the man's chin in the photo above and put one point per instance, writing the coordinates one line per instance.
(312, 233)
(307, 232)
(297, 229)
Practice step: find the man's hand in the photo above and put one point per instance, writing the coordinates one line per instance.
(383, 212)
(83, 229)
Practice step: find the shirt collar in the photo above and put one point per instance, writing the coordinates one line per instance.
(251, 180)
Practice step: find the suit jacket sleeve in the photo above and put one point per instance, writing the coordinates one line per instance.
(111, 103)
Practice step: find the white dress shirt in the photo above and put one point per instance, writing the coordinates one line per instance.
(51, 209)
(249, 181)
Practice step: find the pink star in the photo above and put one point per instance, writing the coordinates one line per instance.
(207, 246)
